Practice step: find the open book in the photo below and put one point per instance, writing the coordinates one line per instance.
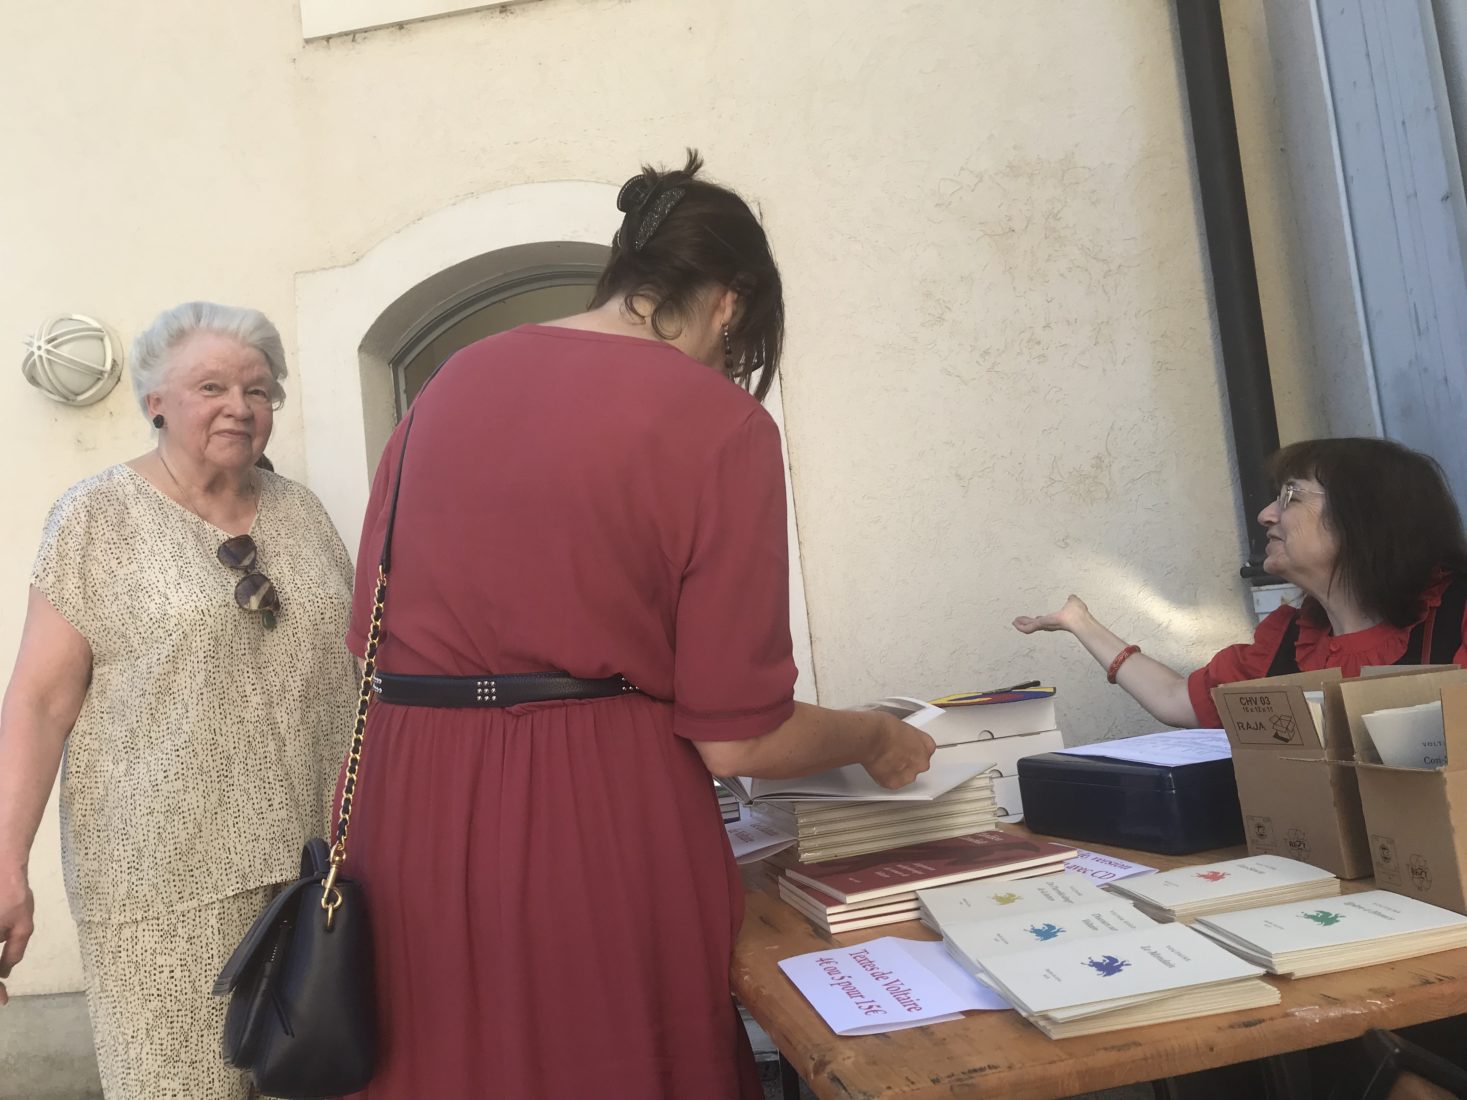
(851, 783)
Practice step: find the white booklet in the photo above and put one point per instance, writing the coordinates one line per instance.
(753, 838)
(851, 783)
(1330, 922)
(979, 899)
(1172, 747)
(1048, 929)
(1088, 975)
(1229, 878)
(887, 984)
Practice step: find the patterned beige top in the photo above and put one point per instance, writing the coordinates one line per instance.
(207, 747)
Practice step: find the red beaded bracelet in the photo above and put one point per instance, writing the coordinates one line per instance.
(1121, 658)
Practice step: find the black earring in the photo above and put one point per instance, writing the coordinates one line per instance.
(728, 359)
(158, 421)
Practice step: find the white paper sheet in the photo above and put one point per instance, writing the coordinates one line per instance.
(852, 784)
(914, 712)
(1100, 868)
(1169, 748)
(753, 839)
(886, 984)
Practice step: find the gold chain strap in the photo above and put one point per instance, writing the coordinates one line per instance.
(330, 895)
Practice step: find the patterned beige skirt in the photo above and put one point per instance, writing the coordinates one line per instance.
(156, 1026)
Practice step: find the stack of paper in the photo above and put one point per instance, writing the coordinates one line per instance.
(750, 840)
(1362, 929)
(872, 890)
(827, 829)
(1191, 892)
(1124, 979)
(1002, 726)
(844, 812)
(1004, 895)
(728, 805)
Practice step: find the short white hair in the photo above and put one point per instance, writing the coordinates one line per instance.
(150, 351)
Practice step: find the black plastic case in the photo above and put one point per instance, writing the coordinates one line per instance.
(1171, 809)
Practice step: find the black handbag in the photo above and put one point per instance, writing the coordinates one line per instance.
(302, 1013)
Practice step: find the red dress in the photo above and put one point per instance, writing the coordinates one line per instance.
(552, 896)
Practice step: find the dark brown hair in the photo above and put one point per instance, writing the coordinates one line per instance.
(1391, 512)
(674, 248)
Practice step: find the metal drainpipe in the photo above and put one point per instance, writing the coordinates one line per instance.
(1230, 254)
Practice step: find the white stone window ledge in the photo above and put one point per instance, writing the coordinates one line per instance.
(323, 18)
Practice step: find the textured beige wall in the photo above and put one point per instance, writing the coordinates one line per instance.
(1002, 381)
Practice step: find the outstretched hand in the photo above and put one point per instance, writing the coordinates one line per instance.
(1066, 618)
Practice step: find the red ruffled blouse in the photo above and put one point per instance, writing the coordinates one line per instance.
(1316, 648)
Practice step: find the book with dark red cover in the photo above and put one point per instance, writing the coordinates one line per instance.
(932, 863)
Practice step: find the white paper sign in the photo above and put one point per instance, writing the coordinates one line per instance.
(753, 839)
(1170, 748)
(1101, 868)
(886, 984)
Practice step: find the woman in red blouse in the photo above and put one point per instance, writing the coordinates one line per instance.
(1369, 530)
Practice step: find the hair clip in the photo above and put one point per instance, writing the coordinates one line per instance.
(633, 193)
(652, 220)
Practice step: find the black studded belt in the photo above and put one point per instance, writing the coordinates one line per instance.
(494, 691)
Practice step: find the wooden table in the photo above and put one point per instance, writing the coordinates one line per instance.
(998, 1055)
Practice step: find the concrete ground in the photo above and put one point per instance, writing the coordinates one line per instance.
(46, 1054)
(46, 1050)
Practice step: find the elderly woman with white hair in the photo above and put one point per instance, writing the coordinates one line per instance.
(183, 642)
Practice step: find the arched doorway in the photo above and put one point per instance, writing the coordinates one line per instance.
(524, 297)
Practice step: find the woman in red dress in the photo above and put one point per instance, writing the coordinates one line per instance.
(552, 896)
(1369, 530)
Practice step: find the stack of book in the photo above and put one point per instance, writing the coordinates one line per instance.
(826, 829)
(1074, 959)
(873, 890)
(844, 812)
(728, 805)
(998, 726)
(1112, 980)
(1191, 892)
(1374, 926)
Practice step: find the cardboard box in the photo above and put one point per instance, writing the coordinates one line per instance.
(1295, 803)
(1416, 818)
(1300, 796)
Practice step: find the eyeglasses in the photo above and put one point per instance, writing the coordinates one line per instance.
(1288, 491)
(255, 591)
